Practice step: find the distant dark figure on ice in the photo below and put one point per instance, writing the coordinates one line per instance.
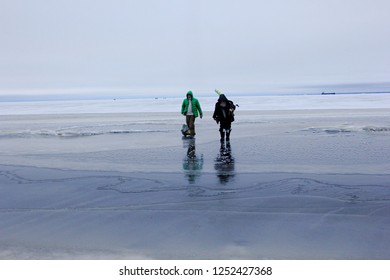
(224, 116)
(191, 109)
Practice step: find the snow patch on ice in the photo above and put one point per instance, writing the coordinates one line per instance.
(376, 129)
(74, 133)
(346, 130)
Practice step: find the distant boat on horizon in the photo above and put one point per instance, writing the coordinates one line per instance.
(327, 93)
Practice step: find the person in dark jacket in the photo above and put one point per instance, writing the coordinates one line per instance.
(191, 109)
(224, 115)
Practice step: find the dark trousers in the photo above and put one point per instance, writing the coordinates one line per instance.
(225, 126)
(190, 120)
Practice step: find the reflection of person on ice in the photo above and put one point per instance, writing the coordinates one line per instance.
(192, 163)
(191, 109)
(224, 163)
(224, 115)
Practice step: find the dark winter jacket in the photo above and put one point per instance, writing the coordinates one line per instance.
(224, 114)
(196, 109)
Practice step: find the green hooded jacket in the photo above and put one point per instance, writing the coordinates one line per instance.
(195, 106)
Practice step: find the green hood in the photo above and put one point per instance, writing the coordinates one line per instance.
(190, 93)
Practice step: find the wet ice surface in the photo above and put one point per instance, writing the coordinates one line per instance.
(50, 213)
(299, 184)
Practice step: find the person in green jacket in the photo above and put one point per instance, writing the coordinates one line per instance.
(191, 112)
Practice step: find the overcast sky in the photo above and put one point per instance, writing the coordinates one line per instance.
(170, 46)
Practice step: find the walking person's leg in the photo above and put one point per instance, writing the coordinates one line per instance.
(191, 124)
(222, 133)
(225, 127)
(188, 123)
(228, 129)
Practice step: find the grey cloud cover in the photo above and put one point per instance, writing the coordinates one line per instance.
(244, 46)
